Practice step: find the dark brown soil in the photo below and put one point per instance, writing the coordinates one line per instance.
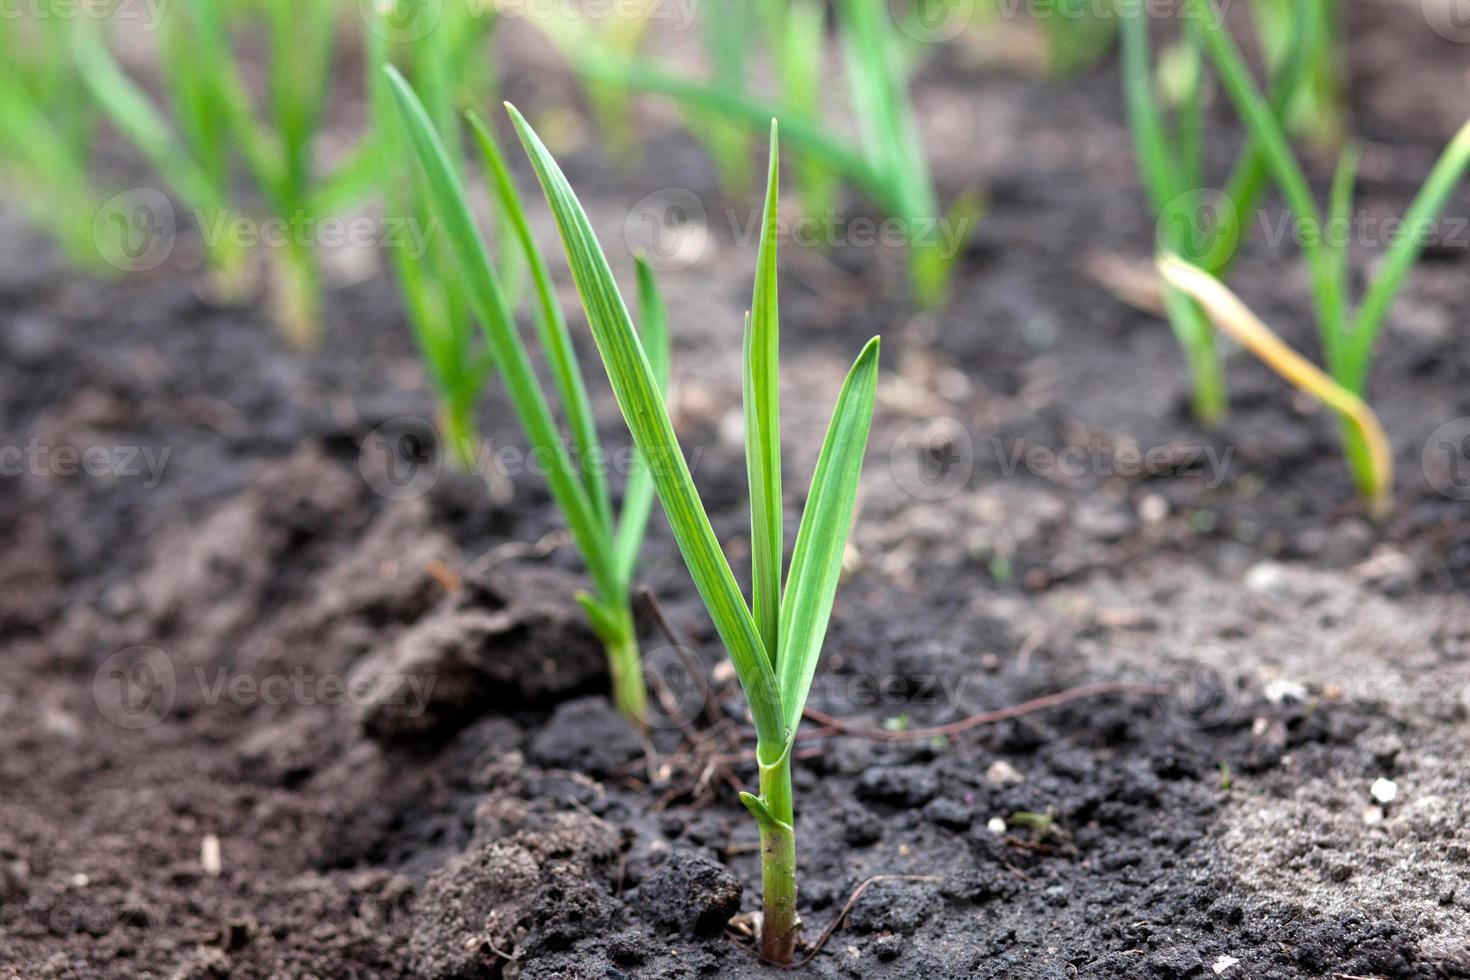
(260, 720)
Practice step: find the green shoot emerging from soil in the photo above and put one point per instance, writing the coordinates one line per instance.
(609, 545)
(1166, 112)
(216, 120)
(457, 359)
(888, 166)
(46, 128)
(1347, 336)
(775, 642)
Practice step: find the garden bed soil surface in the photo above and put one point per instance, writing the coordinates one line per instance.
(187, 789)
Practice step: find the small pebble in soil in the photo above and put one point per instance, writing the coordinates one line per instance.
(1266, 577)
(1384, 790)
(1153, 509)
(1002, 773)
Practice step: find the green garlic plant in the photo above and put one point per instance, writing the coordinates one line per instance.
(888, 165)
(1347, 335)
(776, 640)
(609, 541)
(1166, 114)
(458, 361)
(1317, 107)
(46, 128)
(620, 31)
(217, 120)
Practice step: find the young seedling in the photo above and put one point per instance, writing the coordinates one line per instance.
(46, 127)
(575, 32)
(774, 642)
(208, 93)
(797, 38)
(795, 35)
(1347, 337)
(1317, 109)
(609, 543)
(1233, 317)
(458, 361)
(195, 163)
(888, 166)
(1166, 115)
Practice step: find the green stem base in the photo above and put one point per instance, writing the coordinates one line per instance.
(625, 664)
(773, 811)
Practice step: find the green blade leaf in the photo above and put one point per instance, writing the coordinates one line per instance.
(1156, 158)
(1448, 171)
(801, 134)
(556, 340)
(638, 494)
(642, 405)
(1339, 215)
(1268, 135)
(458, 223)
(816, 562)
(878, 83)
(130, 109)
(763, 425)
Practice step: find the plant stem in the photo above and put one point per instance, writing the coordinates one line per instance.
(1360, 460)
(1207, 370)
(297, 298)
(778, 862)
(457, 424)
(1209, 397)
(229, 272)
(625, 664)
(1368, 449)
